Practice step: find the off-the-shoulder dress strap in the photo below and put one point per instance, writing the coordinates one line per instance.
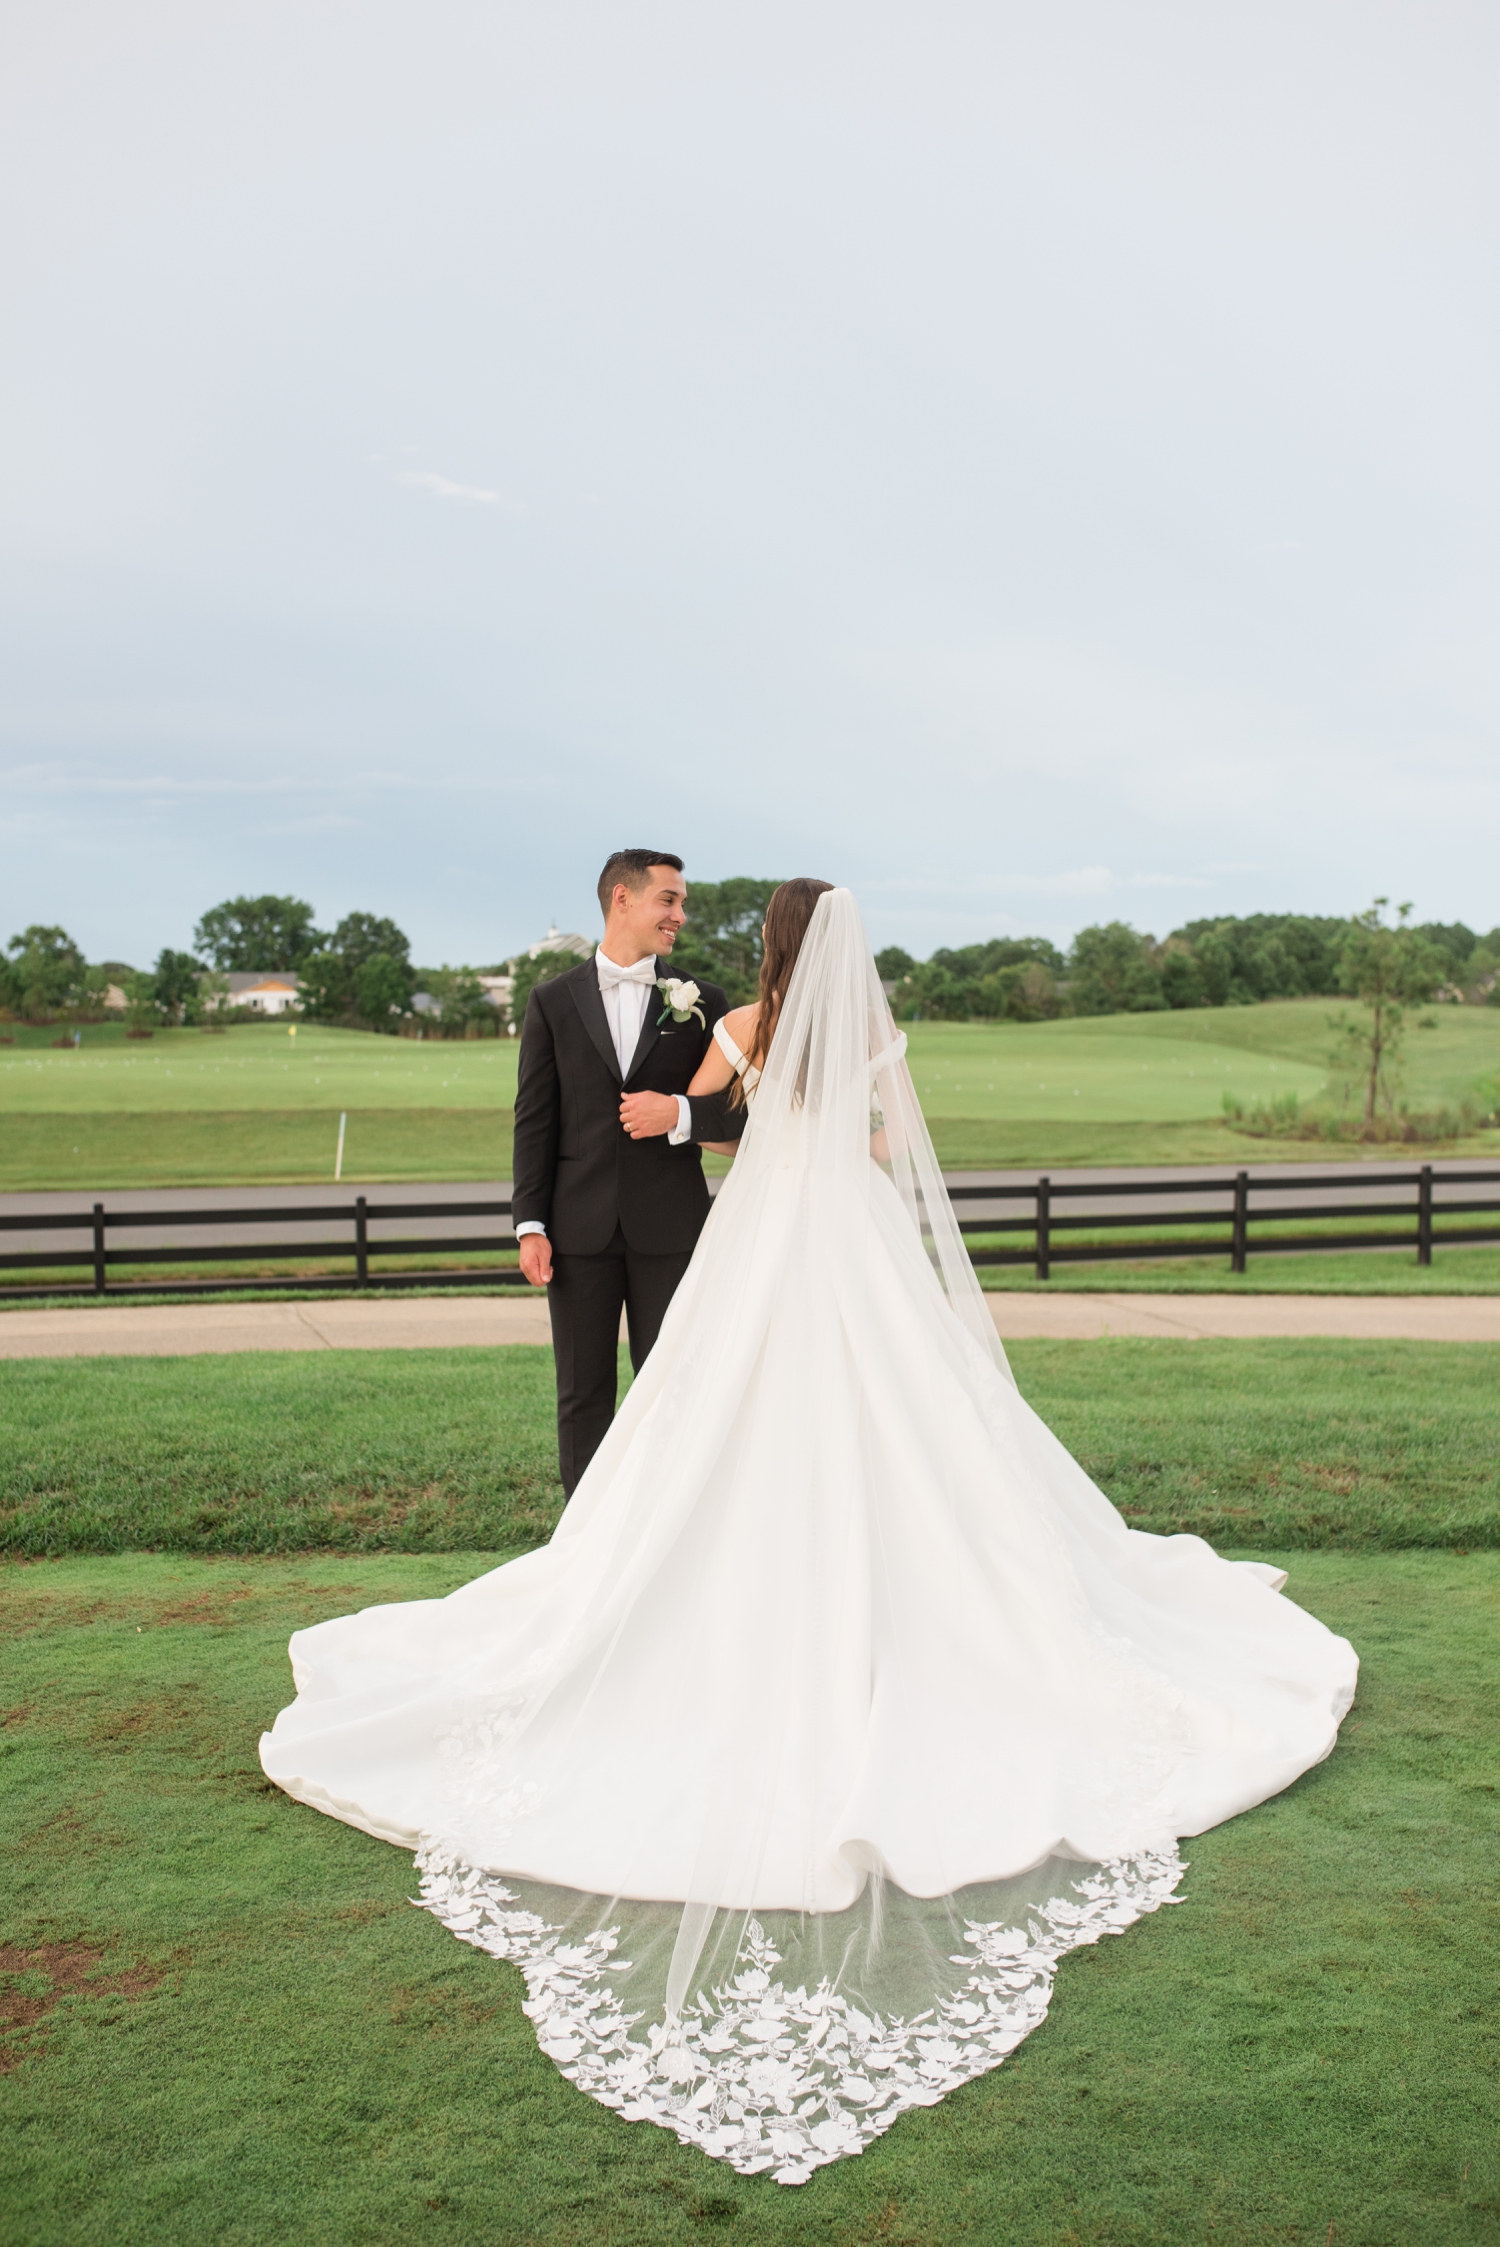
(734, 1057)
(895, 1051)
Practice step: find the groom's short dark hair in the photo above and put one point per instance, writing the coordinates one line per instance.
(633, 868)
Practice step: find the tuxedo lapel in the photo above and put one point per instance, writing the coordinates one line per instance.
(650, 1028)
(589, 1000)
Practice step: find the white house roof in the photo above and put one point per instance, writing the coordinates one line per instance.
(261, 979)
(554, 942)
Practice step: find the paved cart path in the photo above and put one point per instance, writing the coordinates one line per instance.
(446, 1322)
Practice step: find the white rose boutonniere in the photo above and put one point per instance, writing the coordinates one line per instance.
(682, 999)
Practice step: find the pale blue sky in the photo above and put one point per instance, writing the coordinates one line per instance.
(1031, 463)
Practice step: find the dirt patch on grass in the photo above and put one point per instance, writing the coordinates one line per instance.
(27, 1617)
(34, 1982)
(212, 1606)
(439, 2012)
(1342, 1481)
(138, 1720)
(32, 1608)
(384, 1509)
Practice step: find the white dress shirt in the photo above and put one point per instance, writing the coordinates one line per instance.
(627, 993)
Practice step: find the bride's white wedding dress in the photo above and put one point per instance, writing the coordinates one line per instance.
(841, 1704)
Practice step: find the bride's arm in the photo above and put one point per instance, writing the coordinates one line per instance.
(715, 1072)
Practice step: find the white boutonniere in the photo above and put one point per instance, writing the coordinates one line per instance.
(682, 999)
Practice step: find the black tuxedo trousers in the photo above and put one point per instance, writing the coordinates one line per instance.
(623, 1215)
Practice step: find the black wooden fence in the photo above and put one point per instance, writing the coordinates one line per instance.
(1233, 1217)
(1236, 1218)
(100, 1223)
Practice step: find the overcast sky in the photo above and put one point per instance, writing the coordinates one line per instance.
(1035, 464)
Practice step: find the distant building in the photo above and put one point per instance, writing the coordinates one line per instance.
(263, 993)
(499, 988)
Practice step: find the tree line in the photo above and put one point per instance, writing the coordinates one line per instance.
(361, 972)
(1230, 961)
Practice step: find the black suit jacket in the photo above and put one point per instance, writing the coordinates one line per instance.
(575, 1170)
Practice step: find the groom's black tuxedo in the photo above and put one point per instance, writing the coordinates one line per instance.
(623, 1215)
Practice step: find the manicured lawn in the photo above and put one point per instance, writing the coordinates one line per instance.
(105, 1152)
(252, 1106)
(355, 1451)
(1453, 1271)
(256, 1066)
(1456, 1272)
(230, 2025)
(1087, 1078)
(188, 1107)
(1141, 1068)
(1356, 1445)
(102, 1152)
(1106, 1069)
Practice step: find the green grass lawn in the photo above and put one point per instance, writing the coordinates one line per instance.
(1458, 1271)
(192, 1107)
(110, 1151)
(256, 1066)
(221, 2020)
(1453, 1271)
(1355, 1445)
(227, 2023)
(1109, 1069)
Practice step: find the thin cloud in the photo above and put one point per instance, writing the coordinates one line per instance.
(1091, 881)
(49, 780)
(444, 488)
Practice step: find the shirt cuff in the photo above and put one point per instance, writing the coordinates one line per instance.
(684, 1131)
(530, 1225)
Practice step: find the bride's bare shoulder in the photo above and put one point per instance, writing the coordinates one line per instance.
(740, 1023)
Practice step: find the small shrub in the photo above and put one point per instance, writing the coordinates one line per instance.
(1284, 1117)
(1280, 1117)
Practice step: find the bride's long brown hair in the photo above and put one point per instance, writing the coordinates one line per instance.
(787, 917)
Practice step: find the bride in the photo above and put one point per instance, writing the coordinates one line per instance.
(841, 1704)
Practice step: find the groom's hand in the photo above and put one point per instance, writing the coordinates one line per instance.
(646, 1115)
(536, 1258)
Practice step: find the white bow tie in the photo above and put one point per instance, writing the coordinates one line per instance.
(644, 971)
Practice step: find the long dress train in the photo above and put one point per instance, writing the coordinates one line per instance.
(841, 1704)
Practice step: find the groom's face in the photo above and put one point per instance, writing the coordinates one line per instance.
(653, 915)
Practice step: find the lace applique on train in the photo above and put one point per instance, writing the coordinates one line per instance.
(770, 2078)
(474, 1802)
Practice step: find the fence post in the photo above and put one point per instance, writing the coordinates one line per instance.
(1044, 1228)
(1241, 1216)
(1424, 1215)
(361, 1243)
(98, 1248)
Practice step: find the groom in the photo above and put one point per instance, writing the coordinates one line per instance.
(604, 1219)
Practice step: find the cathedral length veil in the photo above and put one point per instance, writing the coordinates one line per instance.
(841, 1704)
